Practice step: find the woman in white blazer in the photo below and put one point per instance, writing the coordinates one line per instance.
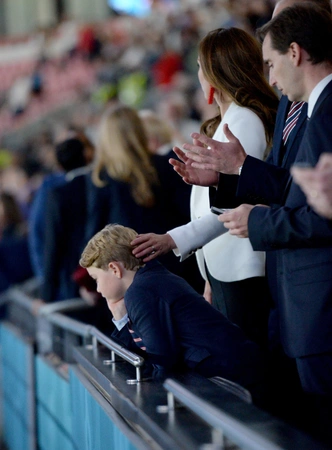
(231, 74)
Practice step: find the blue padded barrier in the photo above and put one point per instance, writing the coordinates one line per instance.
(98, 405)
(18, 413)
(54, 416)
(93, 428)
(51, 436)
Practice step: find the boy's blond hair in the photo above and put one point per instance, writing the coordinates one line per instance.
(112, 243)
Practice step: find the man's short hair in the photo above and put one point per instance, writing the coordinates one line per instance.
(307, 25)
(70, 154)
(324, 4)
(112, 243)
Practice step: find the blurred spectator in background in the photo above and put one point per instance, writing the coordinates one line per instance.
(22, 176)
(175, 109)
(167, 65)
(15, 264)
(37, 81)
(19, 95)
(88, 45)
(159, 132)
(71, 154)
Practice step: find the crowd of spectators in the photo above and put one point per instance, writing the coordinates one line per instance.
(135, 58)
(144, 62)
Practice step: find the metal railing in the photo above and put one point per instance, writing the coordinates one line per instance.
(116, 349)
(235, 423)
(232, 420)
(55, 332)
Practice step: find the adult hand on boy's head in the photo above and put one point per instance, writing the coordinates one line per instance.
(150, 245)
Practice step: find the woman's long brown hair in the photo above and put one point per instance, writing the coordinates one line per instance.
(231, 61)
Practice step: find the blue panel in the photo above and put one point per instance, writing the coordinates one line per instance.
(50, 435)
(79, 430)
(53, 392)
(16, 394)
(15, 433)
(92, 427)
(15, 352)
(16, 357)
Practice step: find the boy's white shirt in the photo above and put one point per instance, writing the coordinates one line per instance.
(121, 322)
(227, 257)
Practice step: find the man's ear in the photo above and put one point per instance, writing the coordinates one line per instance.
(295, 53)
(116, 268)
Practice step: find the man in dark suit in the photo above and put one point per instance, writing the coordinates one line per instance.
(160, 316)
(65, 218)
(303, 71)
(71, 154)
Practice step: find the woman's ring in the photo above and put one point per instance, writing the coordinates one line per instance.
(153, 250)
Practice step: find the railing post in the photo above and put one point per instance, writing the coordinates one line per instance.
(116, 349)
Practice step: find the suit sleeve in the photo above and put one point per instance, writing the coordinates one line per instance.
(260, 182)
(283, 227)
(36, 232)
(250, 131)
(53, 247)
(152, 320)
(177, 194)
(123, 337)
(295, 225)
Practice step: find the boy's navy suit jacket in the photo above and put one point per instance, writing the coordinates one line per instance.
(181, 330)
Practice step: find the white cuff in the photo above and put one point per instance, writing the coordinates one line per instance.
(192, 236)
(121, 322)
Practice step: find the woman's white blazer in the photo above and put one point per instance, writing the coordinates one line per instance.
(228, 258)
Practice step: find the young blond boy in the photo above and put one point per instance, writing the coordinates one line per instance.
(160, 316)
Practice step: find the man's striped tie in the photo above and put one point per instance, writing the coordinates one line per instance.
(291, 120)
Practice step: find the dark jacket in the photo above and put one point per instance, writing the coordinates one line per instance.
(65, 218)
(301, 238)
(182, 331)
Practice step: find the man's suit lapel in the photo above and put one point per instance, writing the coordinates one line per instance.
(326, 92)
(283, 108)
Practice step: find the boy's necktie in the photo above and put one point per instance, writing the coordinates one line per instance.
(138, 341)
